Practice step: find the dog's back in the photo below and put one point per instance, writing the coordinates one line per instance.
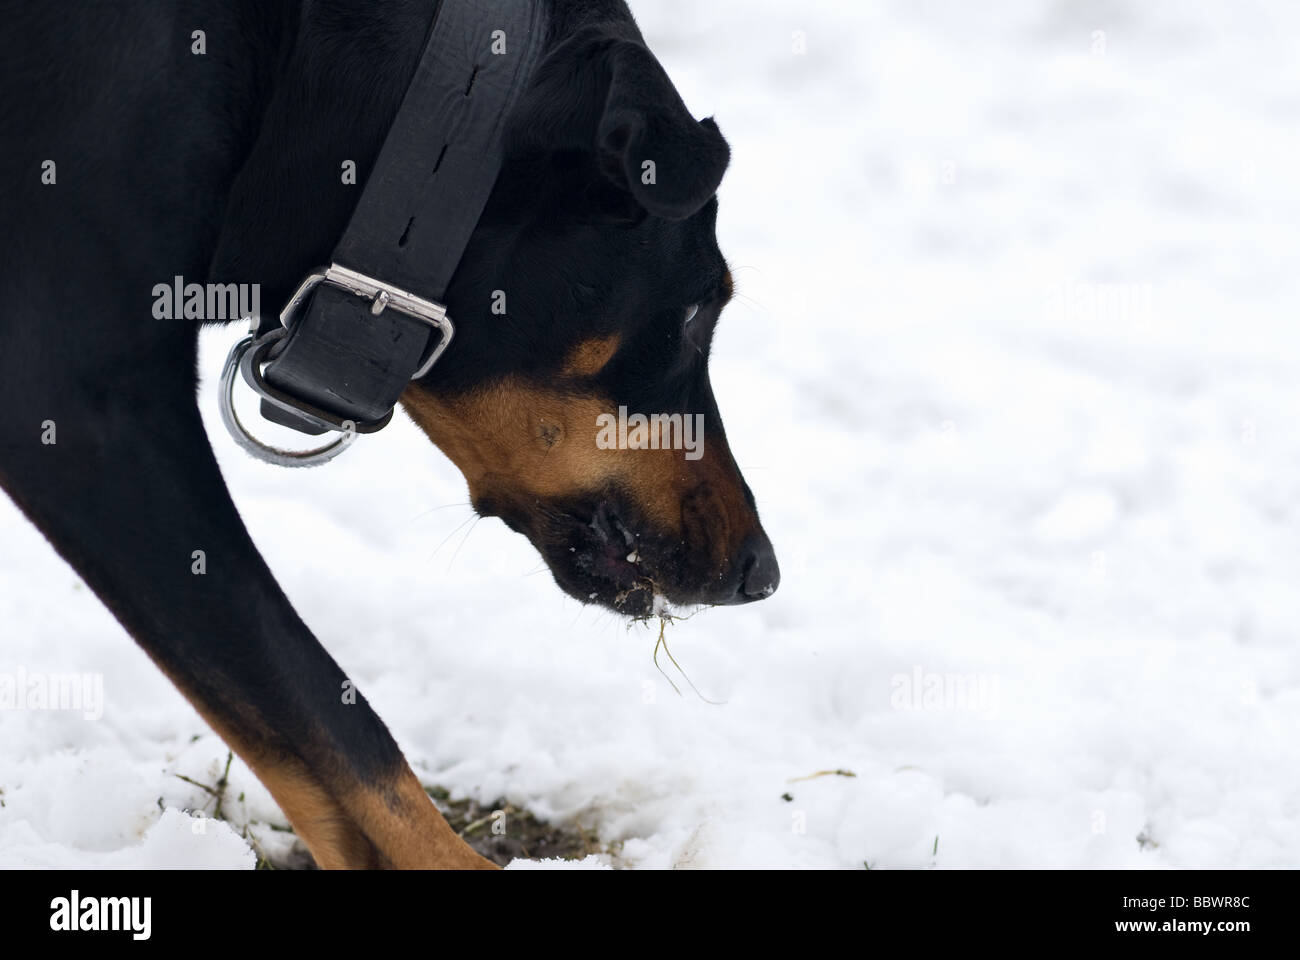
(118, 152)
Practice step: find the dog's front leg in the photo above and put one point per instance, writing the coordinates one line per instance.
(130, 494)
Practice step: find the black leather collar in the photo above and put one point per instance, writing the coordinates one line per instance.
(357, 333)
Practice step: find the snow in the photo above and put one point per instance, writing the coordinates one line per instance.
(592, 862)
(1014, 376)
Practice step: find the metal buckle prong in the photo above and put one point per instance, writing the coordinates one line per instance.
(381, 296)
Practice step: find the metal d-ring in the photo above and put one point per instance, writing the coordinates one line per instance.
(262, 451)
(381, 296)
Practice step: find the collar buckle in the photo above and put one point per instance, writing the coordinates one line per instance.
(382, 296)
(250, 353)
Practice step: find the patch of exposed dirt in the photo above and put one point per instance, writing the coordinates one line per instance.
(498, 831)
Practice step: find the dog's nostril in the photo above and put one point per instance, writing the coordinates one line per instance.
(760, 575)
(609, 527)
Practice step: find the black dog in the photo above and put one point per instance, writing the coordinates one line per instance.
(130, 157)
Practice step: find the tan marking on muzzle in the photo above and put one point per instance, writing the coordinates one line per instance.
(520, 444)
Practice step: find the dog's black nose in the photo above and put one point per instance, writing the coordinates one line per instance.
(762, 575)
(759, 573)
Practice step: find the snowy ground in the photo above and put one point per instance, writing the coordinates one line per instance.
(1015, 377)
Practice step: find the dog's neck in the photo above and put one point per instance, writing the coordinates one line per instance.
(328, 79)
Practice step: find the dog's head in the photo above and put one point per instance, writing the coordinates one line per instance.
(576, 397)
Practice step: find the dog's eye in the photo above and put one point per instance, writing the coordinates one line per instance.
(691, 311)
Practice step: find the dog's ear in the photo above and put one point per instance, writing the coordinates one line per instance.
(602, 92)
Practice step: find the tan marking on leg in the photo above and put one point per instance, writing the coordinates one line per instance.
(407, 828)
(346, 825)
(324, 826)
(366, 826)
